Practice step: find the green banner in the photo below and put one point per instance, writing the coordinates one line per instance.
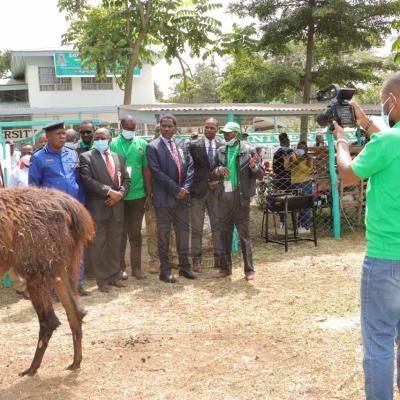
(68, 64)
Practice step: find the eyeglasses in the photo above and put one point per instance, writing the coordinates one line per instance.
(86, 132)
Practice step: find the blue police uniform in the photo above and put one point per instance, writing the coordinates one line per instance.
(56, 171)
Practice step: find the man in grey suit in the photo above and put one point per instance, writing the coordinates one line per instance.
(204, 194)
(106, 181)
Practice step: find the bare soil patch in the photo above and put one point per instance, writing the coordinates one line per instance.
(207, 339)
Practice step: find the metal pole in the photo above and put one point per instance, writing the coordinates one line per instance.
(358, 134)
(334, 184)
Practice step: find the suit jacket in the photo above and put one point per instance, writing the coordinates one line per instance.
(97, 182)
(165, 175)
(202, 168)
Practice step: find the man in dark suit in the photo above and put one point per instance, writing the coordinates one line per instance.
(106, 182)
(203, 194)
(172, 171)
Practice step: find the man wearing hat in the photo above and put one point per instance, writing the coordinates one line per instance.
(237, 169)
(55, 166)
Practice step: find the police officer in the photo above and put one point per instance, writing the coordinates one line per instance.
(54, 166)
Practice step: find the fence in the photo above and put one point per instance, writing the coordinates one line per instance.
(296, 174)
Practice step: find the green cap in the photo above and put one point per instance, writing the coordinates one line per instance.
(231, 127)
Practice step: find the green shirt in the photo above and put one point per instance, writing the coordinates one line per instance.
(380, 162)
(135, 153)
(233, 151)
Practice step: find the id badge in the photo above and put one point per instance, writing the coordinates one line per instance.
(228, 186)
(129, 169)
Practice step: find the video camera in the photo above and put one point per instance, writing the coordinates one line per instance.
(338, 109)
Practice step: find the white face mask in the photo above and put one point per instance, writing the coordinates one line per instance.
(230, 142)
(70, 145)
(26, 160)
(129, 135)
(384, 116)
(300, 152)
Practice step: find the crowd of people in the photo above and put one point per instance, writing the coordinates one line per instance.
(122, 179)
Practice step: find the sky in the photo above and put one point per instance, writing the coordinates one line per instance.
(37, 24)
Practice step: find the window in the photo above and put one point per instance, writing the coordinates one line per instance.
(96, 84)
(49, 82)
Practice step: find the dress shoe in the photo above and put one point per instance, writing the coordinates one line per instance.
(197, 266)
(168, 279)
(138, 274)
(224, 274)
(124, 276)
(105, 288)
(118, 284)
(249, 276)
(83, 292)
(188, 274)
(154, 267)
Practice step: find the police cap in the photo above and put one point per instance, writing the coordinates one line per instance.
(54, 126)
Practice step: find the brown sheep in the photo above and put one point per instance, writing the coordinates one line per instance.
(42, 236)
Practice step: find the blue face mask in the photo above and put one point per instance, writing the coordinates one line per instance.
(101, 145)
(300, 152)
(385, 117)
(129, 135)
(286, 148)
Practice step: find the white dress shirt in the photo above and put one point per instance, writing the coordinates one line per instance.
(111, 159)
(19, 177)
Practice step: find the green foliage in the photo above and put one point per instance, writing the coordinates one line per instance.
(127, 32)
(5, 63)
(202, 86)
(158, 94)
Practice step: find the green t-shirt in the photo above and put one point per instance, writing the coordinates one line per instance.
(135, 153)
(380, 162)
(233, 151)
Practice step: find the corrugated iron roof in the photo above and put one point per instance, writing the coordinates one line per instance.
(238, 108)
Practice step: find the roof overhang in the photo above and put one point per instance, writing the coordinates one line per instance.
(152, 111)
(58, 110)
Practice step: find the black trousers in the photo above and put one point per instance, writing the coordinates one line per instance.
(231, 213)
(197, 213)
(134, 213)
(104, 251)
(178, 218)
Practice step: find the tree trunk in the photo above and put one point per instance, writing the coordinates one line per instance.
(308, 74)
(131, 66)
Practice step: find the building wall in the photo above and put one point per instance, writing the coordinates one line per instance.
(143, 89)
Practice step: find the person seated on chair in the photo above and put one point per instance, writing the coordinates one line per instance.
(301, 170)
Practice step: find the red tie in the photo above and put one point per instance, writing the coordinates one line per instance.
(109, 165)
(176, 158)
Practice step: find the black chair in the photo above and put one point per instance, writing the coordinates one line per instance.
(285, 204)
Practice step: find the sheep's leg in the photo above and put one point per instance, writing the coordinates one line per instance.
(39, 292)
(75, 315)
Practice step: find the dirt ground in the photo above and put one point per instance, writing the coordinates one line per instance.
(293, 333)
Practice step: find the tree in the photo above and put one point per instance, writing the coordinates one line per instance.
(5, 63)
(202, 86)
(334, 26)
(158, 94)
(120, 34)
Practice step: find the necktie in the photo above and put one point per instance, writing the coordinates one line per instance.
(109, 165)
(176, 158)
(210, 154)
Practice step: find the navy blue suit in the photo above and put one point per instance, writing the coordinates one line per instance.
(169, 210)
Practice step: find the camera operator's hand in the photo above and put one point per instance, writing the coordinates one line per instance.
(363, 120)
(361, 117)
(338, 131)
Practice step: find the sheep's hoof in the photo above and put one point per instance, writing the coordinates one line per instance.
(30, 372)
(73, 366)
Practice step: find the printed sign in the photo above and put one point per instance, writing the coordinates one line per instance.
(68, 64)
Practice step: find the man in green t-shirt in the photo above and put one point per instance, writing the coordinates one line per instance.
(379, 162)
(134, 150)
